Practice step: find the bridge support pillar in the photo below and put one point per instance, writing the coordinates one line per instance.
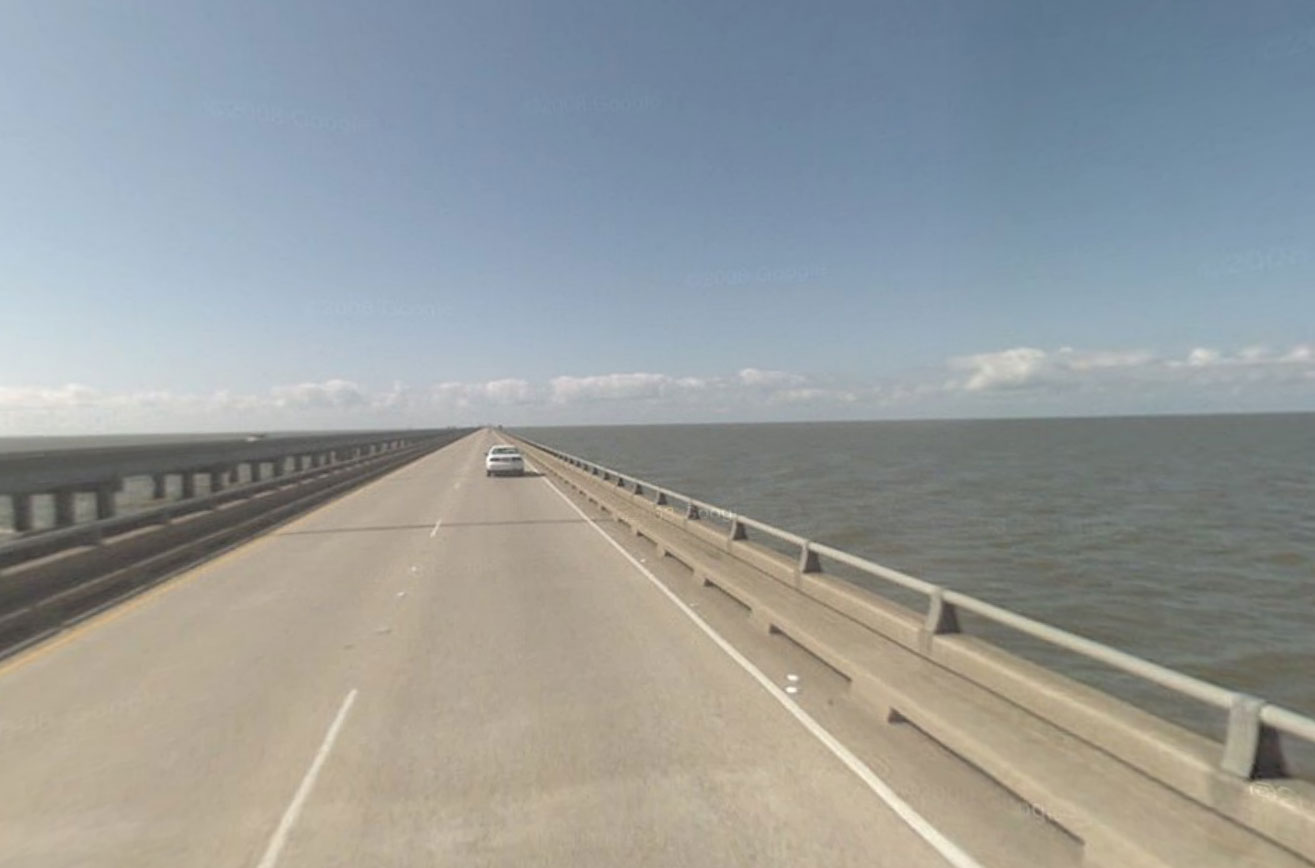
(217, 478)
(188, 484)
(276, 467)
(105, 492)
(21, 505)
(64, 501)
(159, 487)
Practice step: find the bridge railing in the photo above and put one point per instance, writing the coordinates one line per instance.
(1250, 749)
(40, 543)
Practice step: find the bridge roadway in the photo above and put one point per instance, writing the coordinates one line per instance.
(437, 669)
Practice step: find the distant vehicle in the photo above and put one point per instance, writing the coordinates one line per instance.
(504, 461)
(252, 438)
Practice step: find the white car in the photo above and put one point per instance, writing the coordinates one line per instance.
(504, 460)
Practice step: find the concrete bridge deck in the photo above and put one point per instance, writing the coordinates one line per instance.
(442, 668)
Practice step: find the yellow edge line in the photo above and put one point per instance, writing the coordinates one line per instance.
(41, 649)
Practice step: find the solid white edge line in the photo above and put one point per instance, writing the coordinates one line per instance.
(280, 838)
(435, 530)
(951, 851)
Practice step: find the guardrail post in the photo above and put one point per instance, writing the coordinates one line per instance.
(661, 499)
(736, 530)
(21, 504)
(692, 512)
(1251, 749)
(942, 618)
(808, 562)
(639, 490)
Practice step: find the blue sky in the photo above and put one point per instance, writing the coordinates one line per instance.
(305, 214)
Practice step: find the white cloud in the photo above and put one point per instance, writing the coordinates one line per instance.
(508, 391)
(1202, 358)
(1006, 369)
(1067, 369)
(330, 393)
(758, 377)
(1093, 361)
(813, 395)
(613, 387)
(36, 397)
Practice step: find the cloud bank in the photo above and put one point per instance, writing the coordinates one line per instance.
(1012, 381)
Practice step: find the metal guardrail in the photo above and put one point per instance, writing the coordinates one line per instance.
(1247, 745)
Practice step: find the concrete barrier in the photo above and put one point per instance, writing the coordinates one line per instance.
(100, 471)
(1135, 789)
